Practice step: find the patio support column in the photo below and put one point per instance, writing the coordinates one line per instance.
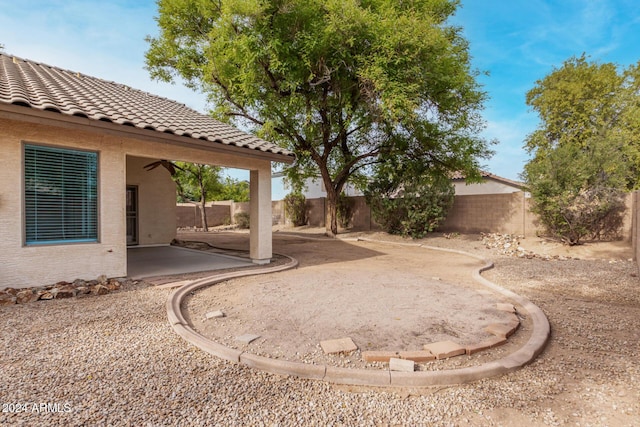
(260, 215)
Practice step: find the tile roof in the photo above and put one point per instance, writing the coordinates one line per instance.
(43, 87)
(461, 175)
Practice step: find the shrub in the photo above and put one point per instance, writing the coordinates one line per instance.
(344, 211)
(578, 192)
(595, 213)
(242, 220)
(295, 208)
(411, 208)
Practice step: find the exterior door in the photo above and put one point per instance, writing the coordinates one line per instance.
(132, 215)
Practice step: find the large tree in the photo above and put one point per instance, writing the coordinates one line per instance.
(345, 84)
(584, 101)
(586, 151)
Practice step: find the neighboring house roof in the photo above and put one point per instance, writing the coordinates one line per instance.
(460, 176)
(43, 87)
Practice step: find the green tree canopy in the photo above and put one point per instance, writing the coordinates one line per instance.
(233, 189)
(586, 149)
(584, 102)
(345, 84)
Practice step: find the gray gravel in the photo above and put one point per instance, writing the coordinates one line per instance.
(113, 360)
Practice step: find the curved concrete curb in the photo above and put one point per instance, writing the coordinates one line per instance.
(370, 377)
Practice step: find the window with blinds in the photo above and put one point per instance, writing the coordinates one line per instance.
(60, 195)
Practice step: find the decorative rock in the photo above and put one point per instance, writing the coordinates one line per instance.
(7, 299)
(247, 338)
(26, 296)
(214, 314)
(113, 285)
(67, 291)
(102, 279)
(401, 365)
(99, 290)
(342, 345)
(445, 349)
(61, 289)
(45, 295)
(83, 290)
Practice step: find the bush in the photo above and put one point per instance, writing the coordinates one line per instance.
(579, 192)
(411, 208)
(242, 220)
(344, 211)
(596, 213)
(295, 208)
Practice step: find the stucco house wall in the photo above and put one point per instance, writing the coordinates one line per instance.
(491, 184)
(156, 201)
(76, 216)
(120, 163)
(314, 189)
(487, 186)
(29, 265)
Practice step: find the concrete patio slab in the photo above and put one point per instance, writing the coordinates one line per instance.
(144, 262)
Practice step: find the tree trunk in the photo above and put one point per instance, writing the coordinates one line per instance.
(331, 217)
(203, 197)
(203, 214)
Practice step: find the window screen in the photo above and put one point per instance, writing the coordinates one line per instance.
(61, 195)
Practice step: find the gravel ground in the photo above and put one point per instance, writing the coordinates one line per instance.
(113, 360)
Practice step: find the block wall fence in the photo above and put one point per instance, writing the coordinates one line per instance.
(489, 213)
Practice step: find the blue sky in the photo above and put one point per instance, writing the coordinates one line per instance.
(517, 42)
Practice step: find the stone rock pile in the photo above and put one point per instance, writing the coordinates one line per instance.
(506, 244)
(79, 287)
(509, 244)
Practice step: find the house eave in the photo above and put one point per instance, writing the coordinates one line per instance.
(50, 118)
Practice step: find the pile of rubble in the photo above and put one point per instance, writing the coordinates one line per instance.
(78, 287)
(509, 244)
(505, 244)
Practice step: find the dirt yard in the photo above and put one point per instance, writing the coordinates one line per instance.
(588, 375)
(383, 296)
(114, 359)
